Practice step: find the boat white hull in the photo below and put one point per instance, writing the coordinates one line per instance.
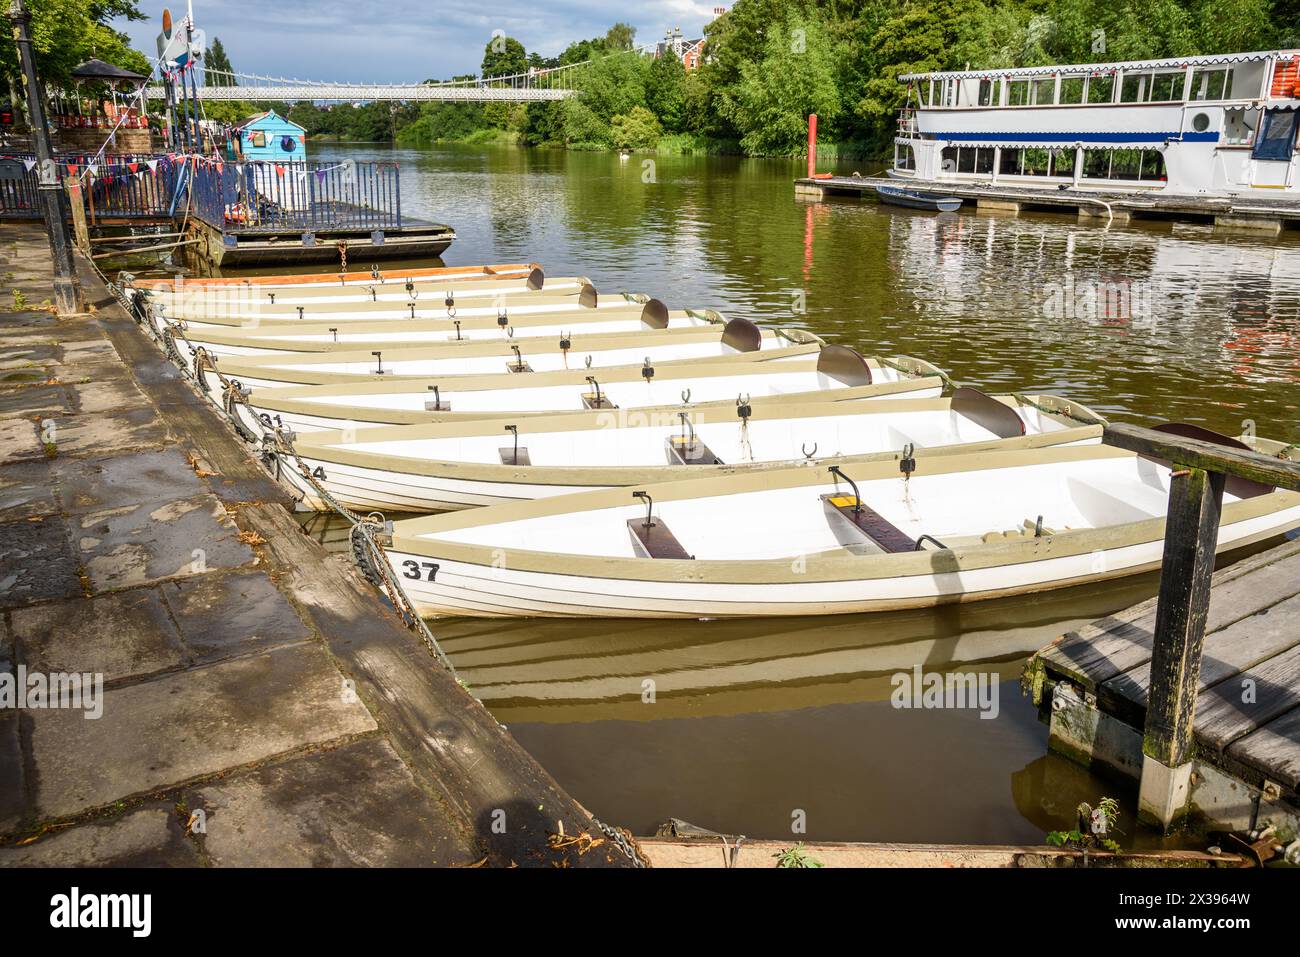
(463, 589)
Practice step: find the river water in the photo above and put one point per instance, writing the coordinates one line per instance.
(759, 727)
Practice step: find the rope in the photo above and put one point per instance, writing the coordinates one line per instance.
(1067, 411)
(898, 367)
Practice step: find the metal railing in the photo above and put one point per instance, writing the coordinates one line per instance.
(123, 186)
(264, 197)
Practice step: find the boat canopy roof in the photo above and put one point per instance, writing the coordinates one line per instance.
(1175, 63)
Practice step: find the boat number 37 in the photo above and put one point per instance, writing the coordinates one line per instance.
(419, 570)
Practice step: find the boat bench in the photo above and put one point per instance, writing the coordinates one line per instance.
(655, 540)
(874, 526)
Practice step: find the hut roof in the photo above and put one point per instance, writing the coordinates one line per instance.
(99, 70)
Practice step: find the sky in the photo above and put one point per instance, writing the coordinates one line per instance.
(404, 40)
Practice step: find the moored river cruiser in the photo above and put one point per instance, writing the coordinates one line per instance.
(1221, 125)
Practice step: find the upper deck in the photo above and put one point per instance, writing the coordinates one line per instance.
(1226, 78)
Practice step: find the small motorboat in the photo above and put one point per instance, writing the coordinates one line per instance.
(836, 373)
(918, 199)
(739, 339)
(453, 465)
(820, 539)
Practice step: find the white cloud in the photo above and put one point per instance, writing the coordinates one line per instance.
(406, 40)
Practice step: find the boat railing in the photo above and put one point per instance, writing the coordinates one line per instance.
(114, 186)
(907, 122)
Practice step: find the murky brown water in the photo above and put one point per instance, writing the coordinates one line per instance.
(753, 722)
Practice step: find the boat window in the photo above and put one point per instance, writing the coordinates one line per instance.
(1036, 162)
(1134, 88)
(984, 159)
(988, 93)
(967, 159)
(1277, 135)
(1063, 162)
(1239, 125)
(1201, 122)
(1166, 87)
(1017, 92)
(1141, 165)
(1043, 91)
(1211, 84)
(1101, 89)
(1071, 89)
(904, 158)
(1009, 164)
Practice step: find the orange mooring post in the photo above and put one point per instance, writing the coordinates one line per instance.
(812, 144)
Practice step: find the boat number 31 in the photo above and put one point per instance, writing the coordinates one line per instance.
(417, 570)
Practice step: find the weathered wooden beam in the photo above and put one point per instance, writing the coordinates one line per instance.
(1191, 533)
(1198, 454)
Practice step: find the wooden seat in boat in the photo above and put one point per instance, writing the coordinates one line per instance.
(886, 535)
(742, 335)
(655, 540)
(690, 450)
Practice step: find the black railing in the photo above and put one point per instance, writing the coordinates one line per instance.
(263, 197)
(119, 186)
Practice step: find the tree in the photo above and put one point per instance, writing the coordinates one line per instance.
(796, 76)
(216, 61)
(621, 36)
(504, 56)
(666, 91)
(67, 32)
(637, 129)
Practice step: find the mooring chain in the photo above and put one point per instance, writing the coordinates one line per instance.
(343, 260)
(619, 837)
(365, 545)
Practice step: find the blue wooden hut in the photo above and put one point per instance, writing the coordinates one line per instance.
(269, 137)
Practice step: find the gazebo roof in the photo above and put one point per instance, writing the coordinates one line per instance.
(99, 70)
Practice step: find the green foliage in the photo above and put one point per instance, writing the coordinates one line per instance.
(217, 60)
(67, 32)
(797, 75)
(796, 857)
(504, 56)
(1087, 836)
(636, 129)
(666, 91)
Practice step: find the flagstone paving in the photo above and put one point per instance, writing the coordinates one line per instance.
(260, 703)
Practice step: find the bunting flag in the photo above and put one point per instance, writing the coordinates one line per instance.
(279, 170)
(72, 169)
(133, 167)
(29, 164)
(153, 165)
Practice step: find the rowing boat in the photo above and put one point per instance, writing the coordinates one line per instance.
(372, 275)
(633, 318)
(817, 540)
(916, 199)
(453, 465)
(837, 373)
(441, 305)
(739, 339)
(188, 300)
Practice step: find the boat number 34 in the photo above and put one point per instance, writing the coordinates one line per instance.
(419, 570)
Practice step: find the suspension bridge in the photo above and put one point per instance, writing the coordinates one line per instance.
(536, 85)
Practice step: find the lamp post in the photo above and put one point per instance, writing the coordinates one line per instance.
(67, 290)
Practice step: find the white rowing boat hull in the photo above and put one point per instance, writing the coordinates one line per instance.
(576, 556)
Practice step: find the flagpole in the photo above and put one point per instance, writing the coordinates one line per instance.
(67, 290)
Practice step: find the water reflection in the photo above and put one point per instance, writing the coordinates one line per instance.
(753, 720)
(1221, 343)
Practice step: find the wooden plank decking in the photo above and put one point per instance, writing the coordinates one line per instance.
(1247, 718)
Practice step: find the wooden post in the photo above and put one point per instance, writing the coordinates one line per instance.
(1191, 533)
(812, 144)
(79, 232)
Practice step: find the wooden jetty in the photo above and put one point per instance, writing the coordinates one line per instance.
(1195, 692)
(1266, 215)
